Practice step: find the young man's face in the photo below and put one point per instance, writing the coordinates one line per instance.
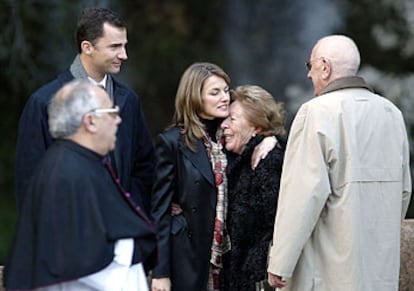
(108, 53)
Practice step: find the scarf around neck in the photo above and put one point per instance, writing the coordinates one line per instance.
(221, 239)
(79, 72)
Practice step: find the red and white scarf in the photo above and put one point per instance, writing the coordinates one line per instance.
(221, 239)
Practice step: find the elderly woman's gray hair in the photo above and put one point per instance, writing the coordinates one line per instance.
(69, 105)
(261, 109)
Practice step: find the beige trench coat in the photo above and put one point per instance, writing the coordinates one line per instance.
(345, 188)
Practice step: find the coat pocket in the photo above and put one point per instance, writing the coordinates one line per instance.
(178, 224)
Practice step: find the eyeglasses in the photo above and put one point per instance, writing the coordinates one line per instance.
(114, 111)
(308, 64)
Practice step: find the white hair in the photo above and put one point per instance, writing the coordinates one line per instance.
(69, 105)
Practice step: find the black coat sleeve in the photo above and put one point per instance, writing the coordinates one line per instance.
(143, 163)
(33, 138)
(162, 194)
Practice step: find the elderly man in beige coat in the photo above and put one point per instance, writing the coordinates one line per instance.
(345, 183)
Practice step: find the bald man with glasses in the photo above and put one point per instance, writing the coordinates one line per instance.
(345, 184)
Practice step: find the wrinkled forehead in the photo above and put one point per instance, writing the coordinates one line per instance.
(236, 108)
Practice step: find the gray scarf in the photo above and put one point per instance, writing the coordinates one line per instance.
(78, 71)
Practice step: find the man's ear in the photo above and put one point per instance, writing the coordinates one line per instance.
(326, 69)
(89, 123)
(87, 47)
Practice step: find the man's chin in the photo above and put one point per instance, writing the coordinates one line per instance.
(115, 70)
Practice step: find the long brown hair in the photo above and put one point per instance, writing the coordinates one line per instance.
(188, 102)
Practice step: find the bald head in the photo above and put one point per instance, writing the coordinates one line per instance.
(332, 57)
(341, 52)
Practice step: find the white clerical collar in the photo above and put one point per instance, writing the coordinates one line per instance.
(102, 83)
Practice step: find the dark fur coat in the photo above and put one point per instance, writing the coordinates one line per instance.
(253, 198)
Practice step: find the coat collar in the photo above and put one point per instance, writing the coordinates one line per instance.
(346, 82)
(120, 93)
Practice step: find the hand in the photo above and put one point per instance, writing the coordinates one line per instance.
(275, 281)
(262, 149)
(176, 209)
(161, 284)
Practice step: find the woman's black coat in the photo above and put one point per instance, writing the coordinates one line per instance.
(185, 240)
(253, 198)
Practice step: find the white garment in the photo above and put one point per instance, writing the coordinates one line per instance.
(123, 251)
(117, 277)
(120, 275)
(102, 83)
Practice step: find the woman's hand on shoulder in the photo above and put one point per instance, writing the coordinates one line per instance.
(262, 149)
(161, 284)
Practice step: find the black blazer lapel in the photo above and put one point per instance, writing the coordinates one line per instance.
(199, 159)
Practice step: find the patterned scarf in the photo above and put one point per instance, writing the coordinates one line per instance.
(221, 239)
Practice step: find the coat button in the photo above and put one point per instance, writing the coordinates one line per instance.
(190, 234)
(193, 209)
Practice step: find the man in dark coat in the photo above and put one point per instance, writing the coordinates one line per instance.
(78, 229)
(102, 39)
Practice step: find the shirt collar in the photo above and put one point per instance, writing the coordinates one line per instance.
(102, 83)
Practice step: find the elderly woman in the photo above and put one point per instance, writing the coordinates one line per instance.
(190, 173)
(254, 114)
